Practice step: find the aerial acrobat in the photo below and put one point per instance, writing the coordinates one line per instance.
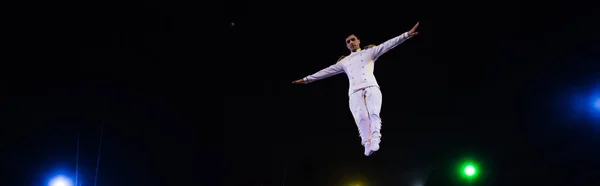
(365, 96)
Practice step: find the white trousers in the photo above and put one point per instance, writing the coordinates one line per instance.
(365, 106)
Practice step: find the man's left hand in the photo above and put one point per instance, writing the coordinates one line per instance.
(413, 32)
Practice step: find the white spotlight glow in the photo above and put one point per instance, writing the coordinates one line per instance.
(60, 181)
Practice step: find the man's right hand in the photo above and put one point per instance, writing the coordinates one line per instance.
(300, 81)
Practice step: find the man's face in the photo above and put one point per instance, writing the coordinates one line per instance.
(352, 43)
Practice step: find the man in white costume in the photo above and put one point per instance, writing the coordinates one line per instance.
(364, 93)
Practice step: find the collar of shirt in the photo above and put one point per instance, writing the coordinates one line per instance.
(356, 51)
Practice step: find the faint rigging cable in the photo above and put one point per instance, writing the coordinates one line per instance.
(77, 161)
(99, 150)
(284, 172)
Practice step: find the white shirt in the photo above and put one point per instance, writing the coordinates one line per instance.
(359, 65)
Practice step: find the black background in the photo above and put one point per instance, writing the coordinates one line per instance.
(485, 80)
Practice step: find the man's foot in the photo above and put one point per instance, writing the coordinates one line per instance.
(368, 149)
(375, 144)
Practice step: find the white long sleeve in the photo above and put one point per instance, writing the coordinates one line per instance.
(325, 73)
(388, 45)
(359, 65)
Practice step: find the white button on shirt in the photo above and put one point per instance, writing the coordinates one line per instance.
(359, 65)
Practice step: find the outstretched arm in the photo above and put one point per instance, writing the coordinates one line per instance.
(322, 74)
(392, 43)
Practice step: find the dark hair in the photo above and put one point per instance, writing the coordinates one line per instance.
(351, 35)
